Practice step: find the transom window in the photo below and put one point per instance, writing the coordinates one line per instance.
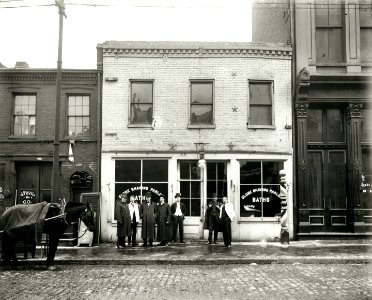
(190, 187)
(260, 103)
(141, 102)
(260, 188)
(24, 114)
(201, 110)
(78, 115)
(329, 32)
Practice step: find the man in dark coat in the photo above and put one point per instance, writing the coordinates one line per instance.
(211, 219)
(164, 219)
(148, 214)
(178, 211)
(122, 216)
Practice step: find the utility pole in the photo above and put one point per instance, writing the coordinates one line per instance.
(56, 170)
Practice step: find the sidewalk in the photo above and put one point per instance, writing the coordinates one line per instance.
(197, 253)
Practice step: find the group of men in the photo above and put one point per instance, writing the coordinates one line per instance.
(128, 216)
(217, 218)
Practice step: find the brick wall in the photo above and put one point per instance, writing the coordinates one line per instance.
(171, 74)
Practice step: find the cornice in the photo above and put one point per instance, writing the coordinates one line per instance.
(30, 75)
(190, 49)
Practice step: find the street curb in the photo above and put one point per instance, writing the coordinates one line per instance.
(251, 261)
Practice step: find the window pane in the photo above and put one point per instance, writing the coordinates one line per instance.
(321, 43)
(222, 172)
(336, 53)
(202, 93)
(201, 114)
(79, 110)
(187, 204)
(366, 44)
(2, 175)
(195, 172)
(156, 189)
(32, 105)
(32, 121)
(86, 101)
(155, 170)
(79, 100)
(85, 110)
(367, 125)
(260, 115)
(259, 93)
(129, 189)
(185, 170)
(271, 201)
(71, 110)
(335, 126)
(72, 101)
(211, 171)
(250, 204)
(315, 125)
(141, 113)
(128, 170)
(211, 188)
(195, 189)
(195, 208)
(221, 189)
(271, 171)
(250, 172)
(141, 92)
(185, 189)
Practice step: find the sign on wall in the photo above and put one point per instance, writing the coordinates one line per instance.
(27, 197)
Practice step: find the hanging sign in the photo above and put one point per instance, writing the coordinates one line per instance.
(27, 197)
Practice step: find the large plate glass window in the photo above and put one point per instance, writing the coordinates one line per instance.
(141, 102)
(24, 114)
(260, 188)
(78, 115)
(137, 177)
(190, 187)
(201, 110)
(260, 103)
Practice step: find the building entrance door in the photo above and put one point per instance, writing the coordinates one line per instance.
(327, 195)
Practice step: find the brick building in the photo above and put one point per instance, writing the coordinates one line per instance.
(166, 106)
(27, 99)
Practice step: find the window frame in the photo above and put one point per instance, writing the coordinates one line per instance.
(212, 125)
(13, 134)
(256, 126)
(140, 125)
(68, 95)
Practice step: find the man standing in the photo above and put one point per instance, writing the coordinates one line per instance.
(122, 216)
(178, 211)
(135, 217)
(148, 214)
(164, 218)
(227, 215)
(211, 219)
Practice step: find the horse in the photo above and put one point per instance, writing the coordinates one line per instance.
(56, 221)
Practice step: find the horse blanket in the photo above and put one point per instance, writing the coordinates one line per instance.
(25, 221)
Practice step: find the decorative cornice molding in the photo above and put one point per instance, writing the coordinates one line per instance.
(11, 76)
(189, 49)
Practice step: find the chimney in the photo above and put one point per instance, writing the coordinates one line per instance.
(21, 65)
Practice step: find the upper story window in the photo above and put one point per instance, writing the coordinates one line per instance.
(365, 19)
(141, 102)
(24, 114)
(78, 115)
(201, 110)
(329, 31)
(260, 104)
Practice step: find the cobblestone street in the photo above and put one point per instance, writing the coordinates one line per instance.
(279, 281)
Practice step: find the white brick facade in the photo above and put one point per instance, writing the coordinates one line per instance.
(171, 66)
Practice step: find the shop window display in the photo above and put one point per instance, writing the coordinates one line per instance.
(260, 189)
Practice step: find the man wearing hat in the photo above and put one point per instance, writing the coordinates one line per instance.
(164, 220)
(122, 216)
(148, 214)
(178, 212)
(211, 219)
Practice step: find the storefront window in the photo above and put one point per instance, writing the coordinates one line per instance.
(366, 180)
(260, 188)
(190, 187)
(216, 180)
(137, 177)
(2, 181)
